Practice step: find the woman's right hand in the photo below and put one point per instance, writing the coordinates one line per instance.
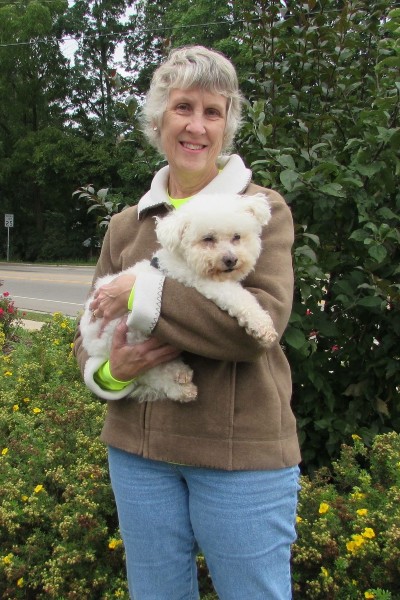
(130, 360)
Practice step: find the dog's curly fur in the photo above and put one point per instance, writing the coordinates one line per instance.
(211, 244)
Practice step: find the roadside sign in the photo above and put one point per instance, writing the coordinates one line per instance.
(9, 220)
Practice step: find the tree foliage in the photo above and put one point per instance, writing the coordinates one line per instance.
(325, 111)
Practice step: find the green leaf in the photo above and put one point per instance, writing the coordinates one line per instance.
(333, 189)
(288, 179)
(370, 301)
(378, 253)
(295, 338)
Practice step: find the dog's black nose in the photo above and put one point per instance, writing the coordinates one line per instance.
(229, 261)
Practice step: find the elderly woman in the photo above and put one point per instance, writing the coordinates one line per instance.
(220, 473)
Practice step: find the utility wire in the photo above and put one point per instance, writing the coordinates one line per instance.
(83, 37)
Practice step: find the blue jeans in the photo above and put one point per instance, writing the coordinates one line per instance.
(243, 521)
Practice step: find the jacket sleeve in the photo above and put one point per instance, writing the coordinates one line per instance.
(103, 267)
(186, 319)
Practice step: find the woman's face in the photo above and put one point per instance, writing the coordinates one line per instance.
(192, 132)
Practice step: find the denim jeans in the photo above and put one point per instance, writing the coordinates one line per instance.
(243, 522)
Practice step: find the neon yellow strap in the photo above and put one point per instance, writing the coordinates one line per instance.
(106, 381)
(131, 298)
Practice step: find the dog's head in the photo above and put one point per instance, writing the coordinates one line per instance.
(217, 235)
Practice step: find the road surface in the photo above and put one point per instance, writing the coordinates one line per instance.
(46, 289)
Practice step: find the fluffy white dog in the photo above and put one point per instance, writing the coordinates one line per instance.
(211, 244)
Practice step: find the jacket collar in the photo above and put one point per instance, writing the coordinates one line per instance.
(234, 178)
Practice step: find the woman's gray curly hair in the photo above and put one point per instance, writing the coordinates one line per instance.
(189, 67)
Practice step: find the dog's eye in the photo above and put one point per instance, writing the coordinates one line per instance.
(208, 239)
(236, 237)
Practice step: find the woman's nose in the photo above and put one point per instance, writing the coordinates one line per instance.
(196, 124)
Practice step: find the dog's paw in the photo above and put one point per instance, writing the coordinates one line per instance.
(184, 376)
(266, 335)
(189, 392)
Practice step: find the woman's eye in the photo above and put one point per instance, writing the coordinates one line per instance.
(213, 113)
(183, 107)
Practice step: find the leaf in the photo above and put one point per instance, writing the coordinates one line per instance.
(288, 179)
(370, 301)
(333, 189)
(286, 161)
(378, 253)
(306, 251)
(295, 338)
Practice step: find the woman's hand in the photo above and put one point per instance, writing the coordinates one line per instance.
(130, 360)
(111, 300)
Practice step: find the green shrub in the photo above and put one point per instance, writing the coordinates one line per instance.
(58, 525)
(349, 526)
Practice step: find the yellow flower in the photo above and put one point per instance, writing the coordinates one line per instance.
(324, 572)
(56, 342)
(323, 508)
(355, 543)
(7, 560)
(362, 512)
(358, 539)
(36, 410)
(355, 437)
(15, 407)
(63, 325)
(38, 489)
(24, 498)
(7, 373)
(351, 546)
(26, 400)
(357, 496)
(369, 595)
(4, 451)
(114, 544)
(368, 533)
(298, 519)
(20, 582)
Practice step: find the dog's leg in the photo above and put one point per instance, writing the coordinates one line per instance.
(172, 380)
(239, 303)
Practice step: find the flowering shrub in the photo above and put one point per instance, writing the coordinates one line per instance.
(349, 525)
(9, 318)
(58, 525)
(59, 536)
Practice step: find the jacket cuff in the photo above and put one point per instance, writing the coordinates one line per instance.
(147, 308)
(92, 365)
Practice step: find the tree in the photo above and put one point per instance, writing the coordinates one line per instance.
(325, 110)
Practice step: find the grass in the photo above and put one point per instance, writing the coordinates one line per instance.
(36, 316)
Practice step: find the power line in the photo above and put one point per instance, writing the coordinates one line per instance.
(82, 37)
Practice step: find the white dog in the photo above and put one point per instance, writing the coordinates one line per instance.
(210, 244)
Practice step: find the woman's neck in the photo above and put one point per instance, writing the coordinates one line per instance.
(188, 184)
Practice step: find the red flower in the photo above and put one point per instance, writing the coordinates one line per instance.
(335, 348)
(1, 312)
(10, 309)
(5, 294)
(308, 312)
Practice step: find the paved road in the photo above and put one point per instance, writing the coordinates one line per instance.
(46, 289)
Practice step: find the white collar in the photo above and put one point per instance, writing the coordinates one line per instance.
(234, 178)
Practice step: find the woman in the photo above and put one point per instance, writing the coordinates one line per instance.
(219, 473)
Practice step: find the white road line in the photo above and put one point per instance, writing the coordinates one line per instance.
(44, 300)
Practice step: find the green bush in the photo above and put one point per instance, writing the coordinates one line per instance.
(325, 112)
(349, 526)
(59, 535)
(58, 525)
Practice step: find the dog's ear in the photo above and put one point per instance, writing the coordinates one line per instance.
(259, 207)
(170, 230)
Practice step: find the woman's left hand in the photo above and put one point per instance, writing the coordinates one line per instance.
(111, 300)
